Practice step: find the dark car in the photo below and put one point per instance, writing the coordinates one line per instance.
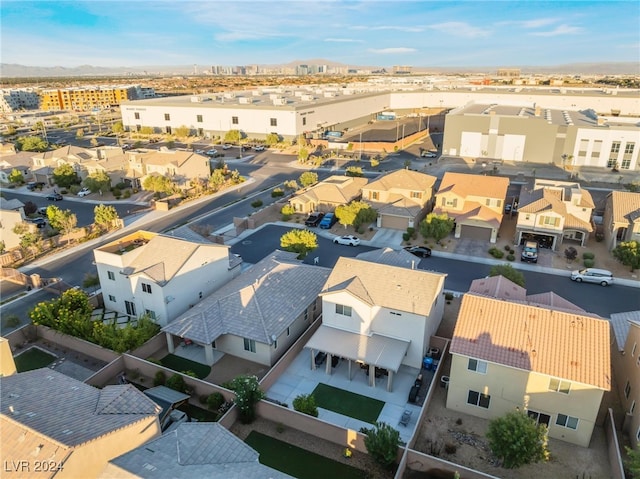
(54, 197)
(314, 219)
(39, 222)
(529, 252)
(420, 251)
(35, 185)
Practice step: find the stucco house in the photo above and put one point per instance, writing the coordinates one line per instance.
(76, 156)
(329, 193)
(553, 211)
(67, 427)
(475, 202)
(11, 214)
(161, 276)
(626, 370)
(401, 198)
(621, 218)
(181, 166)
(20, 161)
(552, 362)
(379, 315)
(7, 364)
(258, 315)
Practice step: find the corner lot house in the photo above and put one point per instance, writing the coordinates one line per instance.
(555, 364)
(161, 276)
(12, 214)
(401, 198)
(379, 315)
(258, 315)
(72, 428)
(326, 195)
(475, 202)
(622, 218)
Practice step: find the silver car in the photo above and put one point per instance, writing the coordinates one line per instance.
(592, 275)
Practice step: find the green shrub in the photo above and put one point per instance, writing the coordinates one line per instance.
(126, 194)
(257, 203)
(277, 192)
(191, 374)
(160, 379)
(507, 247)
(176, 382)
(496, 253)
(214, 401)
(382, 443)
(510, 257)
(203, 398)
(406, 236)
(306, 403)
(588, 263)
(448, 296)
(588, 255)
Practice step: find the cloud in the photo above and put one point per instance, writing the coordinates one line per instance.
(460, 29)
(559, 30)
(388, 27)
(534, 23)
(343, 40)
(385, 51)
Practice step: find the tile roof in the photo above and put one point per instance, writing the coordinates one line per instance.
(335, 189)
(620, 323)
(551, 199)
(12, 204)
(392, 287)
(466, 185)
(262, 301)
(556, 343)
(192, 450)
(625, 206)
(68, 411)
(391, 257)
(403, 180)
(554, 301)
(175, 157)
(498, 287)
(399, 205)
(472, 211)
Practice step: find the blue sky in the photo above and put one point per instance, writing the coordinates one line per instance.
(392, 32)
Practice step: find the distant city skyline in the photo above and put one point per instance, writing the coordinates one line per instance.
(373, 33)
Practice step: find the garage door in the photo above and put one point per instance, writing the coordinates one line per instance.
(475, 232)
(395, 222)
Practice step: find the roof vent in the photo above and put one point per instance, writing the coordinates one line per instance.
(38, 448)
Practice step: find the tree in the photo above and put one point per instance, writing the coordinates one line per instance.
(436, 226)
(105, 216)
(291, 185)
(287, 211)
(146, 130)
(177, 383)
(16, 177)
(91, 281)
(79, 133)
(117, 128)
(182, 131)
(30, 208)
(62, 220)
(31, 143)
(232, 136)
(517, 439)
(507, 271)
(299, 241)
(355, 213)
(308, 178)
(64, 175)
(217, 179)
(158, 184)
(272, 139)
(346, 215)
(354, 171)
(570, 253)
(628, 253)
(248, 393)
(633, 461)
(98, 181)
(303, 154)
(382, 443)
(306, 403)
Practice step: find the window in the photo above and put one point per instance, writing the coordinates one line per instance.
(633, 407)
(615, 147)
(477, 399)
(374, 195)
(549, 221)
(559, 386)
(234, 120)
(136, 116)
(275, 344)
(628, 148)
(111, 275)
(199, 118)
(250, 345)
(477, 366)
(567, 421)
(416, 194)
(167, 129)
(488, 202)
(112, 298)
(130, 307)
(611, 162)
(273, 121)
(288, 331)
(627, 389)
(146, 288)
(344, 310)
(304, 120)
(626, 163)
(151, 314)
(167, 116)
(539, 418)
(306, 315)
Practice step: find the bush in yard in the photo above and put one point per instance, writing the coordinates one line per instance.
(628, 253)
(382, 443)
(510, 257)
(436, 226)
(277, 192)
(570, 253)
(517, 440)
(248, 393)
(214, 401)
(306, 403)
(287, 211)
(588, 263)
(256, 203)
(406, 236)
(160, 379)
(496, 253)
(588, 255)
(299, 241)
(176, 382)
(633, 461)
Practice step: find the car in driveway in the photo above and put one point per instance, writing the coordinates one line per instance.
(328, 221)
(420, 251)
(84, 192)
(54, 197)
(39, 222)
(35, 185)
(314, 219)
(529, 252)
(348, 240)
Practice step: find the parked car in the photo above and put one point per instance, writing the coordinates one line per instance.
(54, 197)
(42, 211)
(246, 147)
(198, 152)
(39, 222)
(84, 192)
(349, 240)
(328, 221)
(126, 146)
(260, 148)
(529, 252)
(428, 154)
(420, 251)
(314, 219)
(35, 185)
(226, 146)
(212, 152)
(602, 277)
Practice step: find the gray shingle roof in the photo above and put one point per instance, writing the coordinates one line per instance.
(620, 325)
(391, 257)
(67, 410)
(261, 302)
(193, 450)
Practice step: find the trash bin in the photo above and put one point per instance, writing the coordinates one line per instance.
(444, 382)
(427, 363)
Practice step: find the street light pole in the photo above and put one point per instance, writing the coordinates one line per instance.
(360, 157)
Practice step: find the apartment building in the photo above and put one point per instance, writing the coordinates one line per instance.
(18, 99)
(88, 97)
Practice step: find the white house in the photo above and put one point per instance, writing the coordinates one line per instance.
(161, 276)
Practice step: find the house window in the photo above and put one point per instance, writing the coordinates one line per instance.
(567, 421)
(626, 163)
(343, 310)
(304, 120)
(199, 118)
(550, 221)
(633, 407)
(167, 116)
(611, 162)
(273, 121)
(151, 314)
(477, 399)
(416, 194)
(615, 147)
(146, 288)
(306, 315)
(288, 332)
(234, 120)
(130, 307)
(539, 418)
(250, 345)
(628, 148)
(477, 366)
(559, 386)
(627, 389)
(111, 275)
(112, 298)
(167, 129)
(374, 195)
(488, 202)
(275, 344)
(136, 116)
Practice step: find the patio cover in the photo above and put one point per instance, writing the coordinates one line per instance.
(381, 351)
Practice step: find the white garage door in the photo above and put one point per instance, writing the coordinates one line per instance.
(470, 144)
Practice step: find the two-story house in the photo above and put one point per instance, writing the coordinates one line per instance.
(329, 193)
(11, 215)
(161, 276)
(552, 363)
(401, 198)
(181, 166)
(552, 211)
(621, 218)
(81, 159)
(379, 315)
(475, 202)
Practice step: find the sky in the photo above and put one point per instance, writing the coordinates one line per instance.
(440, 33)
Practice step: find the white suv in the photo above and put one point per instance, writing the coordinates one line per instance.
(593, 275)
(84, 192)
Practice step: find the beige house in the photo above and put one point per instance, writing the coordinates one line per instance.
(622, 218)
(401, 198)
(475, 202)
(326, 195)
(7, 364)
(554, 211)
(56, 426)
(20, 161)
(379, 315)
(626, 369)
(258, 315)
(181, 166)
(77, 157)
(11, 215)
(553, 363)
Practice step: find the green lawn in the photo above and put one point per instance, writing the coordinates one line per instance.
(179, 364)
(347, 403)
(33, 358)
(299, 462)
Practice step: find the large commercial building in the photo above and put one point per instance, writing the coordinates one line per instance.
(18, 99)
(89, 97)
